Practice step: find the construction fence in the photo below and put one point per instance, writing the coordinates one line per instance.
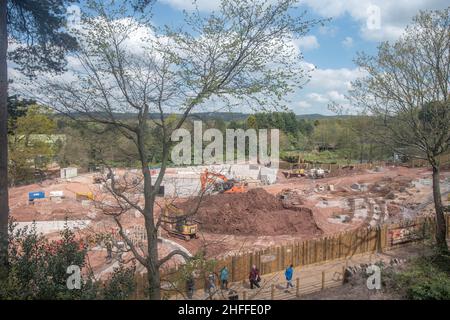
(334, 167)
(443, 159)
(326, 249)
(318, 251)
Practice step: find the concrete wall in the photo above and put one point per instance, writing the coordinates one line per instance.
(185, 182)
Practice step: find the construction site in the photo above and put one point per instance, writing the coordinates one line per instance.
(241, 209)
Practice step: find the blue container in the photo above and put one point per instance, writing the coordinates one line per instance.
(36, 195)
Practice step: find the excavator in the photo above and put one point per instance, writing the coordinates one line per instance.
(226, 186)
(178, 224)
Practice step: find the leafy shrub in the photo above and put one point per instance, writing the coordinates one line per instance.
(425, 278)
(121, 284)
(38, 269)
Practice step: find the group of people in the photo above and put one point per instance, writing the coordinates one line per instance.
(254, 279)
(210, 285)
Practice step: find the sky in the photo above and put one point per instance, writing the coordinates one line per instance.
(355, 26)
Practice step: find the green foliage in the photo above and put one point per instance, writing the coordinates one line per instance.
(121, 284)
(38, 266)
(38, 269)
(197, 267)
(425, 278)
(39, 30)
(29, 145)
(17, 108)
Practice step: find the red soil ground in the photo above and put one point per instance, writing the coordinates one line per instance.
(255, 212)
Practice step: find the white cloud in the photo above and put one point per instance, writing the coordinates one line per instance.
(326, 86)
(347, 42)
(394, 14)
(336, 96)
(203, 5)
(304, 104)
(307, 43)
(316, 97)
(333, 79)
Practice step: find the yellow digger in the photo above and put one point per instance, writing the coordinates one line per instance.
(177, 223)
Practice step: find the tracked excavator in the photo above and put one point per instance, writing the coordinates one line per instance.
(177, 223)
(220, 183)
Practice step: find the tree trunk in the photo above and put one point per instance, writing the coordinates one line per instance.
(154, 279)
(441, 228)
(154, 282)
(361, 152)
(4, 209)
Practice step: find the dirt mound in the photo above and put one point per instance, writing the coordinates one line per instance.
(344, 171)
(255, 212)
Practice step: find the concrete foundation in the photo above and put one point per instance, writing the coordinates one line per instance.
(185, 182)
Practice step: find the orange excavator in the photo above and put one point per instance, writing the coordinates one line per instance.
(226, 186)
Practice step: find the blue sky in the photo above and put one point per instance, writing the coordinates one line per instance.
(356, 25)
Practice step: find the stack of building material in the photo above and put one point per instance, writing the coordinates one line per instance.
(268, 175)
(56, 196)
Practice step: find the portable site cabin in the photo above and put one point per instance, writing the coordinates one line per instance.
(35, 195)
(67, 173)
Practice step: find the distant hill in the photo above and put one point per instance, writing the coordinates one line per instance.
(225, 116)
(313, 116)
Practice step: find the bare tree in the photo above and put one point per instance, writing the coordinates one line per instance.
(240, 54)
(406, 89)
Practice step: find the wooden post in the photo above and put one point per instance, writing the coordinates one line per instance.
(244, 295)
(323, 280)
(272, 292)
(297, 287)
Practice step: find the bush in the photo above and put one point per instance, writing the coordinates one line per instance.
(121, 284)
(38, 269)
(425, 278)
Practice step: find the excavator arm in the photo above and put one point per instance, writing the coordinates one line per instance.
(228, 186)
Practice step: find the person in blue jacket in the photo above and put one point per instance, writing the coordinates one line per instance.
(289, 273)
(224, 278)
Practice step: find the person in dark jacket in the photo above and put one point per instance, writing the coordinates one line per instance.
(190, 287)
(289, 273)
(254, 277)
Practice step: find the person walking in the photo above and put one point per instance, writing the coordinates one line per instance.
(254, 277)
(211, 283)
(224, 278)
(289, 273)
(190, 287)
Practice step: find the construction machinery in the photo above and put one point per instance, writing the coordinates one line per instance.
(80, 196)
(317, 173)
(294, 173)
(224, 185)
(177, 223)
(296, 170)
